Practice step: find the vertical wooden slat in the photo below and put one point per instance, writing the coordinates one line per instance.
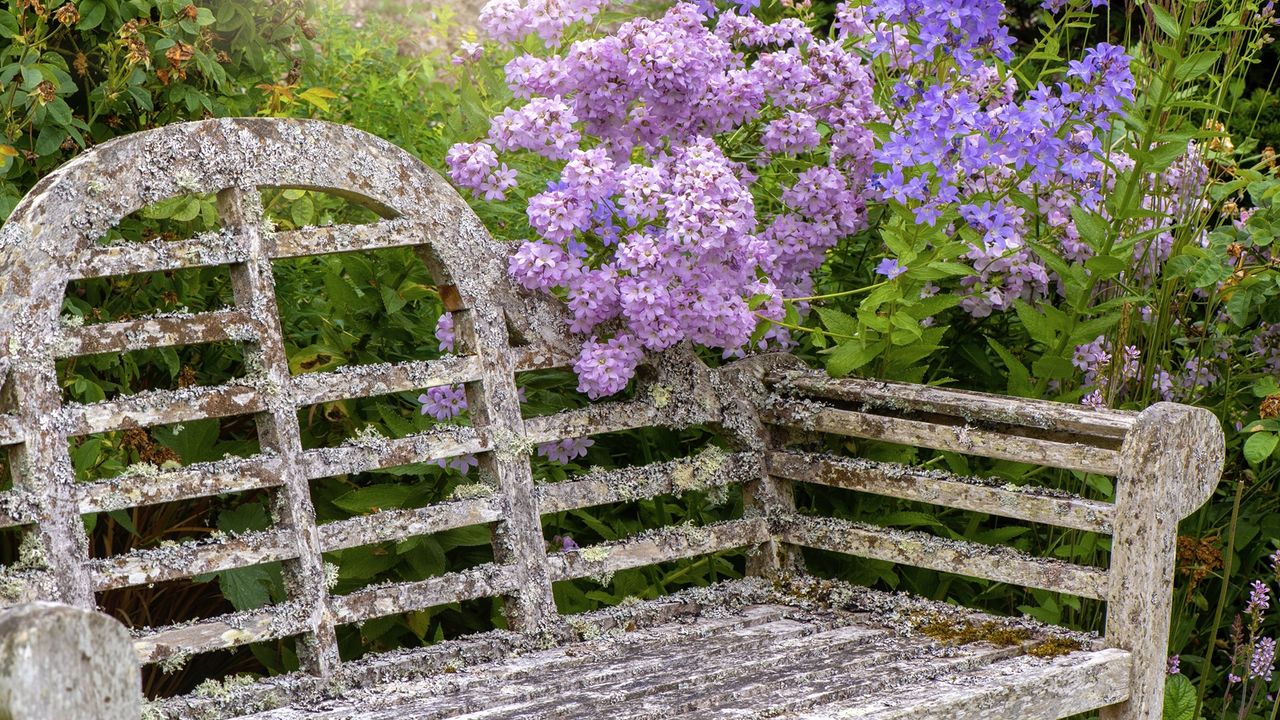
(1170, 463)
(41, 467)
(742, 384)
(254, 289)
(495, 405)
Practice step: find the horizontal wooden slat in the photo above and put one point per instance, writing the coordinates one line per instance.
(440, 442)
(595, 419)
(10, 431)
(155, 332)
(152, 487)
(529, 359)
(657, 546)
(1022, 688)
(971, 406)
(220, 248)
(152, 565)
(990, 562)
(379, 601)
(708, 470)
(951, 438)
(940, 488)
(354, 381)
(226, 631)
(18, 508)
(378, 235)
(162, 407)
(403, 524)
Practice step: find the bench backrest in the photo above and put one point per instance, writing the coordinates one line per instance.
(1167, 459)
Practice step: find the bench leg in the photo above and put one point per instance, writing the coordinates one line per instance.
(59, 662)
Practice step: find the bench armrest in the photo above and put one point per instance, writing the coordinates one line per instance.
(58, 661)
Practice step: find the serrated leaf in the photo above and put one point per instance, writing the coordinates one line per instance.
(1093, 229)
(852, 355)
(1038, 326)
(1179, 698)
(838, 322)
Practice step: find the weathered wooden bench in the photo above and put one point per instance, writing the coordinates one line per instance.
(776, 644)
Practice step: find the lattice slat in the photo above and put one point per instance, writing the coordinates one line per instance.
(438, 443)
(991, 562)
(710, 470)
(596, 419)
(155, 332)
(380, 235)
(226, 631)
(160, 564)
(971, 406)
(390, 525)
(488, 580)
(951, 438)
(940, 488)
(657, 546)
(197, 480)
(354, 381)
(207, 249)
(253, 286)
(18, 507)
(162, 407)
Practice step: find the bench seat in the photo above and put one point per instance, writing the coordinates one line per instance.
(742, 649)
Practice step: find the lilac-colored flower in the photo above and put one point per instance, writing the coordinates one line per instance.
(461, 463)
(890, 268)
(1263, 659)
(444, 402)
(1259, 599)
(565, 451)
(1175, 664)
(444, 331)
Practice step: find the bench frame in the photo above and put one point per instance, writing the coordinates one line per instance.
(1167, 459)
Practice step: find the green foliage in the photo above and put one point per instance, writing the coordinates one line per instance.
(1179, 698)
(75, 75)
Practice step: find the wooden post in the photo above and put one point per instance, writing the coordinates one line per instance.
(1170, 464)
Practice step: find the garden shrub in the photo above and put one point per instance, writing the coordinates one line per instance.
(78, 73)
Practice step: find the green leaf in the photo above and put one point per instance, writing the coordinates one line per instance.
(1197, 65)
(248, 588)
(1166, 22)
(852, 355)
(1053, 367)
(9, 27)
(1019, 379)
(1179, 698)
(247, 517)
(838, 322)
(1038, 326)
(92, 13)
(1106, 266)
(376, 497)
(1092, 227)
(1259, 447)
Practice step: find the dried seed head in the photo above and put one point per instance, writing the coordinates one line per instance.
(67, 14)
(1270, 407)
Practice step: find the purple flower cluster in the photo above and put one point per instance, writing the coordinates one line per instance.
(1095, 360)
(511, 21)
(565, 451)
(652, 234)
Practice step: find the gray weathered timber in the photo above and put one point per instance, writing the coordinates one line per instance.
(1171, 462)
(62, 662)
(775, 644)
(941, 488)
